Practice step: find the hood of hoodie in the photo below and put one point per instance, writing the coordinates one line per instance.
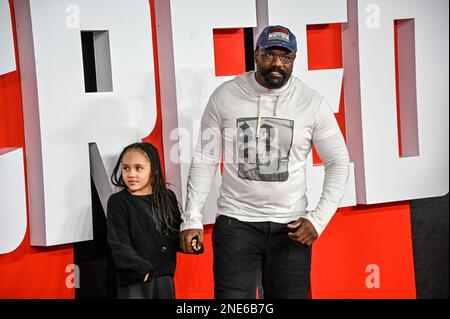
(247, 82)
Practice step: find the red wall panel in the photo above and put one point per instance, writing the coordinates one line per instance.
(229, 51)
(155, 137)
(355, 238)
(362, 236)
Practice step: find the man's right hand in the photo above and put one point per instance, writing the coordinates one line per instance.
(186, 238)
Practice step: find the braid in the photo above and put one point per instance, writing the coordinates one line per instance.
(163, 202)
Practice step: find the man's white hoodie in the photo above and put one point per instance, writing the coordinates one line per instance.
(264, 137)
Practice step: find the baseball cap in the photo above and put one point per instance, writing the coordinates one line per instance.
(279, 36)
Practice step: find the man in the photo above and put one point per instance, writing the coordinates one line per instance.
(263, 227)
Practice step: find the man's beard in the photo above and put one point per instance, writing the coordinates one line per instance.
(272, 81)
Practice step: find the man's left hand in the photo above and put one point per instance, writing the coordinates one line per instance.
(305, 233)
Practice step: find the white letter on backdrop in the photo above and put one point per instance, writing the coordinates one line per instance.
(382, 174)
(13, 208)
(62, 119)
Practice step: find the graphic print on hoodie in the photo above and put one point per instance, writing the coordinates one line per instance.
(264, 157)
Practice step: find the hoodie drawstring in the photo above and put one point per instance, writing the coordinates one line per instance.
(275, 110)
(258, 123)
(275, 113)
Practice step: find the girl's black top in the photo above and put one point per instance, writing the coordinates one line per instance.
(139, 245)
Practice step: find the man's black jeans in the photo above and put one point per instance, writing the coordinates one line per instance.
(244, 251)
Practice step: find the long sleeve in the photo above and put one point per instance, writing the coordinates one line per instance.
(124, 255)
(177, 215)
(331, 147)
(203, 168)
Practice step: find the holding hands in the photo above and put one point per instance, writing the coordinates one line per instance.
(191, 241)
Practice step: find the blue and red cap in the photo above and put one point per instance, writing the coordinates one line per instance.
(277, 36)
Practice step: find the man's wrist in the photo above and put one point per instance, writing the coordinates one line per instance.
(191, 225)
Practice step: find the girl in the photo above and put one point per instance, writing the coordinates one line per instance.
(143, 225)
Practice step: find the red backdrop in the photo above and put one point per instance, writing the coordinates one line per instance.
(356, 237)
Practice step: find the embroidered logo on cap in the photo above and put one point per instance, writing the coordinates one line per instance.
(279, 34)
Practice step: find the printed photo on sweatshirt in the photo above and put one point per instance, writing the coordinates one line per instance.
(265, 158)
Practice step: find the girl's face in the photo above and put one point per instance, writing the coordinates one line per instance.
(136, 171)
